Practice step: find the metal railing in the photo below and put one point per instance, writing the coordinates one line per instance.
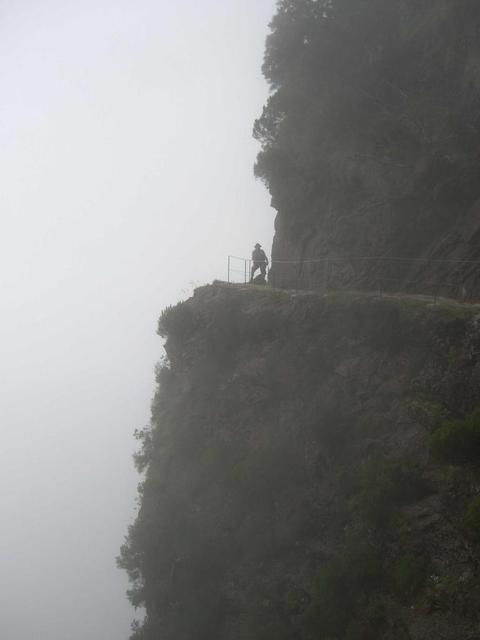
(458, 279)
(238, 270)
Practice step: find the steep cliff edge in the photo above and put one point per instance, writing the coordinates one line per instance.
(370, 137)
(310, 470)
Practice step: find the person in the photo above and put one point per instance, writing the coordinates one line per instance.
(259, 260)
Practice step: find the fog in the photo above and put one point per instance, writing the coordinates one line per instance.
(126, 161)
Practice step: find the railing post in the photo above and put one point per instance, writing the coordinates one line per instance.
(228, 275)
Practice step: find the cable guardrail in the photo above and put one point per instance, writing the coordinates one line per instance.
(435, 277)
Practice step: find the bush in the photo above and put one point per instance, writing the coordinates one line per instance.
(343, 588)
(388, 484)
(408, 575)
(472, 516)
(458, 441)
(333, 603)
(426, 411)
(178, 321)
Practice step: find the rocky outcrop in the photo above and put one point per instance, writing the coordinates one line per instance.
(296, 480)
(369, 141)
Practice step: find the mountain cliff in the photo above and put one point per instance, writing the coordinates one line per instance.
(311, 470)
(371, 135)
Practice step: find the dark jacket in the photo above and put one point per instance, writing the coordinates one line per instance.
(259, 256)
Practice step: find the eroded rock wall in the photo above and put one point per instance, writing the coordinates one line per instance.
(291, 490)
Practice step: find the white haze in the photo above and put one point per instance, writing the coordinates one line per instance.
(126, 175)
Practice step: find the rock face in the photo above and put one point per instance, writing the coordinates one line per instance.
(260, 280)
(369, 139)
(448, 263)
(304, 478)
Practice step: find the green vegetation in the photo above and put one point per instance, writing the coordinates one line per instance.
(442, 593)
(388, 484)
(426, 410)
(458, 441)
(472, 517)
(409, 575)
(177, 321)
(344, 586)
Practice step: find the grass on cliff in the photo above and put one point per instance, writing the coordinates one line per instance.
(386, 485)
(408, 575)
(472, 517)
(344, 584)
(352, 590)
(458, 441)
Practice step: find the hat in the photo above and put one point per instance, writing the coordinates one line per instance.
(258, 246)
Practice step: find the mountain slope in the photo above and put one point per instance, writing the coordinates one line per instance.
(299, 473)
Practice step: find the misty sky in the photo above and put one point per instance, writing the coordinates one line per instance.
(126, 177)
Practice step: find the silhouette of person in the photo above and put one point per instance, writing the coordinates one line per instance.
(260, 261)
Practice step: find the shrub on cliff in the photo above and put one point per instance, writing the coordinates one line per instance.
(343, 587)
(386, 485)
(177, 321)
(458, 441)
(408, 574)
(472, 517)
